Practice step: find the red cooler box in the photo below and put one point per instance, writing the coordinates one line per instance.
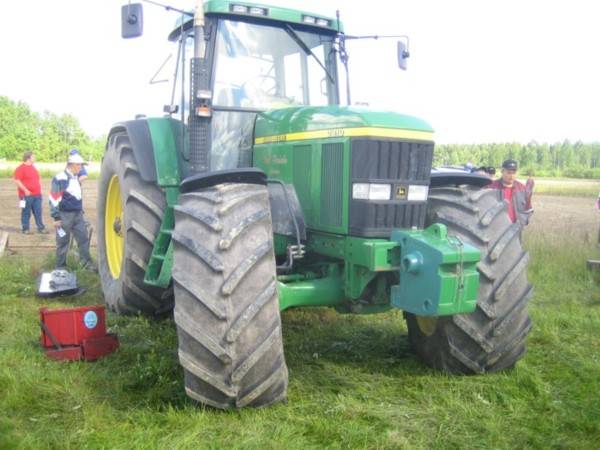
(76, 333)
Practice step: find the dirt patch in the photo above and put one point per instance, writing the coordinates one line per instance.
(38, 244)
(565, 218)
(556, 217)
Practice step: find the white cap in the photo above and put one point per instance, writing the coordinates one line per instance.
(75, 159)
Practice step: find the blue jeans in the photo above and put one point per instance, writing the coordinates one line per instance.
(33, 203)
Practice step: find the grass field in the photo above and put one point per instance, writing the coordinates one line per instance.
(353, 381)
(567, 186)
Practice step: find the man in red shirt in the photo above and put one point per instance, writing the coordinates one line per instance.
(27, 179)
(516, 194)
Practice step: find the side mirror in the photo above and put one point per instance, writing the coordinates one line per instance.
(132, 20)
(403, 55)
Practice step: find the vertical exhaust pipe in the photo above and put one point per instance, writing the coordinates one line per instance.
(199, 123)
(199, 42)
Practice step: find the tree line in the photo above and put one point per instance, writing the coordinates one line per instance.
(567, 159)
(49, 135)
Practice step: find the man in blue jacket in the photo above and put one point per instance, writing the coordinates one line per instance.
(66, 208)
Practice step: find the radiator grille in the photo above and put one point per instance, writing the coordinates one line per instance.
(396, 162)
(332, 166)
(303, 178)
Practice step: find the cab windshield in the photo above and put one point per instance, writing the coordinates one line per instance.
(265, 67)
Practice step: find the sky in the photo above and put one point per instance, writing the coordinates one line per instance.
(479, 71)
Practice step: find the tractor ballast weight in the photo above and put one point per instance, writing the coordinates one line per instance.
(258, 201)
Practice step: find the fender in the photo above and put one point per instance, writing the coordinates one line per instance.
(285, 207)
(248, 175)
(141, 144)
(156, 145)
(451, 176)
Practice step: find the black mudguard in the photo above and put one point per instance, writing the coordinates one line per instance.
(283, 205)
(141, 142)
(450, 176)
(247, 175)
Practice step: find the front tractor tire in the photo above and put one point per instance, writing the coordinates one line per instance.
(226, 301)
(130, 212)
(492, 338)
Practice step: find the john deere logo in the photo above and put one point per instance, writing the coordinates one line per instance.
(401, 192)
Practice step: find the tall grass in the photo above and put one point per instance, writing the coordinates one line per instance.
(353, 381)
(567, 186)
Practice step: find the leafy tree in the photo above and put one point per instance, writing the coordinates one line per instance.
(573, 159)
(48, 134)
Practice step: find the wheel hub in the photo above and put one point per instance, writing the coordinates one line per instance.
(117, 226)
(427, 325)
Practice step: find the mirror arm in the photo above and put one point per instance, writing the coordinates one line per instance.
(169, 8)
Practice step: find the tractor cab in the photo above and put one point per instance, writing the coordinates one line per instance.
(255, 59)
(260, 65)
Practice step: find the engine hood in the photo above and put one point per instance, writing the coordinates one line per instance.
(298, 123)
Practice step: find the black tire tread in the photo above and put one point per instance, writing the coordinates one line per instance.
(143, 205)
(226, 302)
(493, 337)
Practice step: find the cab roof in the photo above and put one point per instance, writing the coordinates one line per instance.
(261, 12)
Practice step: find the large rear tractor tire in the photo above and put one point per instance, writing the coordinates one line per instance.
(493, 337)
(226, 301)
(130, 211)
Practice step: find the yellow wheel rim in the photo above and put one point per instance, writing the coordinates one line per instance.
(427, 324)
(113, 227)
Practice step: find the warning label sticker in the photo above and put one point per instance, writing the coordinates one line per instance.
(90, 319)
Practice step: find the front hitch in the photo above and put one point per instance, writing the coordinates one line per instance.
(438, 273)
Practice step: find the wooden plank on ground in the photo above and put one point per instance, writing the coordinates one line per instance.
(3, 242)
(593, 264)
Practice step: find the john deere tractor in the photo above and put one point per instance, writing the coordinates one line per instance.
(258, 192)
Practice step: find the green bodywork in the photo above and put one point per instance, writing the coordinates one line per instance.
(273, 13)
(164, 134)
(424, 272)
(319, 169)
(438, 273)
(312, 118)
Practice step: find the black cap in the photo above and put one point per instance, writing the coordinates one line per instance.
(510, 164)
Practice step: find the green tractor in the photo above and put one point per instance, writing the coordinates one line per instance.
(258, 192)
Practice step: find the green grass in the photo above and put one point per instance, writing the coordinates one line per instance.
(353, 381)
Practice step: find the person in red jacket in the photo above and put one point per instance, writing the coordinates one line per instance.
(516, 194)
(598, 209)
(27, 179)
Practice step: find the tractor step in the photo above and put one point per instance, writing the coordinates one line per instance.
(158, 270)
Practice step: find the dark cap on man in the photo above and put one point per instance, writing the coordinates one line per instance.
(510, 164)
